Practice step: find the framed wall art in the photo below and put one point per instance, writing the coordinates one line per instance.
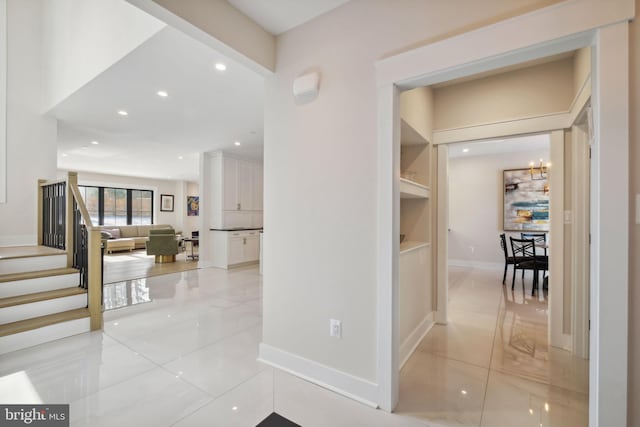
(526, 199)
(166, 203)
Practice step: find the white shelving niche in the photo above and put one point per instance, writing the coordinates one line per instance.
(416, 290)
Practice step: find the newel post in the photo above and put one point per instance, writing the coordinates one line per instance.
(95, 278)
(39, 207)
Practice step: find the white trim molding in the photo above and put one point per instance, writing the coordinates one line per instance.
(480, 265)
(412, 342)
(563, 27)
(355, 388)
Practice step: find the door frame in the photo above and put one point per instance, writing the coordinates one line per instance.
(563, 27)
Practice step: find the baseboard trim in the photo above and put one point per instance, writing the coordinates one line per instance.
(476, 264)
(358, 389)
(412, 342)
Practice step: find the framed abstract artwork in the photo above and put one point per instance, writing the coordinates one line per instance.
(193, 205)
(526, 199)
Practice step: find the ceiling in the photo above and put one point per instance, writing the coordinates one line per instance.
(278, 16)
(498, 146)
(205, 110)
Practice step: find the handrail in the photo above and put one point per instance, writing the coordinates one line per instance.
(82, 243)
(45, 182)
(83, 208)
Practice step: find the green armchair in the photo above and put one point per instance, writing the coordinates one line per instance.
(163, 244)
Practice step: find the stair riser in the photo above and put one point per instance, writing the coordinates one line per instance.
(40, 284)
(43, 335)
(41, 308)
(23, 265)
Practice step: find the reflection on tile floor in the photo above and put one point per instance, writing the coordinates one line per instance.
(187, 357)
(492, 364)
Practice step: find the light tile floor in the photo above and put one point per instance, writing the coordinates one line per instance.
(185, 355)
(491, 365)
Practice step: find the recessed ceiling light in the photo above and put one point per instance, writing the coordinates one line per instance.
(94, 143)
(465, 150)
(180, 157)
(64, 154)
(237, 143)
(162, 93)
(220, 66)
(123, 113)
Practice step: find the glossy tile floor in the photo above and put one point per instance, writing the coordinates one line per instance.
(121, 266)
(492, 365)
(182, 351)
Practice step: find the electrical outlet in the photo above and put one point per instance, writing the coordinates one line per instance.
(335, 328)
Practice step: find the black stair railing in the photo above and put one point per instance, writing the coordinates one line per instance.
(80, 246)
(54, 200)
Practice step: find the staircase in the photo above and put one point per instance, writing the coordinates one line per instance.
(40, 297)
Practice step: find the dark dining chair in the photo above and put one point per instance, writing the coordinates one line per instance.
(524, 255)
(540, 240)
(508, 260)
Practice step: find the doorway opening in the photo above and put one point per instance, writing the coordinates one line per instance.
(429, 65)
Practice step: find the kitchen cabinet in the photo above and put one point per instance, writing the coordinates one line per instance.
(233, 248)
(236, 192)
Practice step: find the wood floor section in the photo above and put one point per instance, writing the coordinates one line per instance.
(37, 274)
(123, 266)
(11, 252)
(42, 321)
(40, 296)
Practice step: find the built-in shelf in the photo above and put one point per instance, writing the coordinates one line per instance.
(409, 246)
(410, 136)
(413, 190)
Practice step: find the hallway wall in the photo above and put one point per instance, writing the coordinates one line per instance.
(321, 173)
(476, 206)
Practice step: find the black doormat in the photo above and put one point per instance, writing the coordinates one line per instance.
(275, 420)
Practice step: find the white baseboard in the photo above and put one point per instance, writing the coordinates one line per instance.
(355, 388)
(415, 337)
(476, 264)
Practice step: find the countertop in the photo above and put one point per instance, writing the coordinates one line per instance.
(236, 229)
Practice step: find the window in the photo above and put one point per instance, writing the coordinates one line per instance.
(91, 198)
(141, 207)
(118, 206)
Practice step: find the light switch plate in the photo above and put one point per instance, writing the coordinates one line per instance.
(335, 328)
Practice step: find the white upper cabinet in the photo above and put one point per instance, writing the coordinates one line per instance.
(245, 186)
(236, 192)
(257, 188)
(230, 184)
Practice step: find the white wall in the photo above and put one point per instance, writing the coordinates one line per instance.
(82, 38)
(3, 101)
(321, 171)
(476, 204)
(544, 88)
(159, 186)
(28, 133)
